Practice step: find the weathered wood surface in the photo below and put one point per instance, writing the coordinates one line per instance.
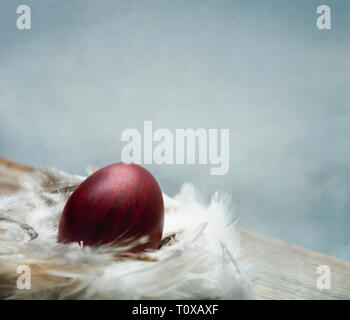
(10, 172)
(277, 270)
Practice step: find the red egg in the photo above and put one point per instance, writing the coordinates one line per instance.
(120, 202)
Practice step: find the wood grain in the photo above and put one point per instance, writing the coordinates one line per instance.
(276, 269)
(10, 172)
(279, 270)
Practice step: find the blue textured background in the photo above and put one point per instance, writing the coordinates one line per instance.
(90, 69)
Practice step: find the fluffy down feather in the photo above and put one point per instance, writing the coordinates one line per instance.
(198, 258)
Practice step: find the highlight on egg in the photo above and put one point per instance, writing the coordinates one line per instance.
(118, 203)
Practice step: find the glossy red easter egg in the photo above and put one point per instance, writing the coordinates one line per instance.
(120, 202)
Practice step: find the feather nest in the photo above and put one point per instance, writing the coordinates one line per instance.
(198, 257)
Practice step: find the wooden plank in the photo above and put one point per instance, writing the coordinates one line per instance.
(277, 270)
(10, 172)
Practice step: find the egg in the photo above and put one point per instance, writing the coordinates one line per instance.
(119, 203)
